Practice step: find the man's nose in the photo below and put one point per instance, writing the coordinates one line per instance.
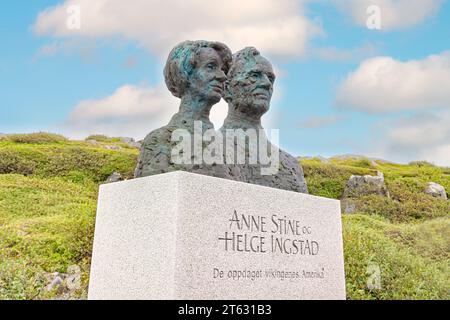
(220, 75)
(265, 82)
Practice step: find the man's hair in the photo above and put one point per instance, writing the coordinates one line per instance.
(241, 58)
(181, 63)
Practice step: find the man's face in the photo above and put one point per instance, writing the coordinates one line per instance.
(208, 78)
(252, 88)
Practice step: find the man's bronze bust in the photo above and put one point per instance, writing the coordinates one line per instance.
(248, 91)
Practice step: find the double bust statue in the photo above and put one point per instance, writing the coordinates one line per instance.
(201, 73)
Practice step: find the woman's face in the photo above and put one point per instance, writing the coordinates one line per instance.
(207, 80)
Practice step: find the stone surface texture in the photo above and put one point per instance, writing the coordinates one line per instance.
(158, 237)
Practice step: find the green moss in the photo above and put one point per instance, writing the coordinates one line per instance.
(103, 138)
(405, 272)
(66, 160)
(48, 196)
(46, 225)
(328, 179)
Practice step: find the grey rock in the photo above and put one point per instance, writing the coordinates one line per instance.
(64, 284)
(366, 185)
(56, 283)
(436, 190)
(112, 147)
(348, 206)
(93, 142)
(131, 142)
(114, 177)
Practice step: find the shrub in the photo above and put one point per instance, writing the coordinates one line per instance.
(102, 138)
(329, 180)
(404, 272)
(39, 137)
(66, 160)
(421, 164)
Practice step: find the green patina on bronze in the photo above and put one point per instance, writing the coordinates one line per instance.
(193, 72)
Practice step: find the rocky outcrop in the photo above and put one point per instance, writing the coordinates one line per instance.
(436, 190)
(64, 284)
(93, 142)
(112, 147)
(348, 206)
(358, 186)
(114, 177)
(131, 142)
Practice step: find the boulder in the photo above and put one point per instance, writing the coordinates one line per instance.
(112, 147)
(436, 190)
(64, 284)
(114, 177)
(130, 142)
(57, 282)
(366, 185)
(348, 206)
(93, 142)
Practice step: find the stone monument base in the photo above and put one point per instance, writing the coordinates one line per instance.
(181, 235)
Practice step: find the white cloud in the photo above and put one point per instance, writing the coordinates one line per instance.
(424, 136)
(84, 48)
(337, 54)
(320, 121)
(395, 14)
(277, 28)
(383, 84)
(130, 111)
(134, 111)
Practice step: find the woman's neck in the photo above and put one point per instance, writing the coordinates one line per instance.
(192, 109)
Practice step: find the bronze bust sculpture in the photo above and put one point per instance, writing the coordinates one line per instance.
(200, 73)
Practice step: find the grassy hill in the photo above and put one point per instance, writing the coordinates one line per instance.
(48, 198)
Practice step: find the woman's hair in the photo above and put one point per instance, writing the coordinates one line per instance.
(181, 63)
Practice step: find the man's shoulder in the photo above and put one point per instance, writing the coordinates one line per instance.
(156, 136)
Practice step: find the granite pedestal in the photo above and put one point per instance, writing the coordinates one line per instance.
(187, 236)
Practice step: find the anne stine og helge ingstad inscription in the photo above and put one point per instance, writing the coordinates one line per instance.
(258, 234)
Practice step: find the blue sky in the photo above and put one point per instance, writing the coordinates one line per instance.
(81, 82)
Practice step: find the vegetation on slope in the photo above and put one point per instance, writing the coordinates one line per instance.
(48, 195)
